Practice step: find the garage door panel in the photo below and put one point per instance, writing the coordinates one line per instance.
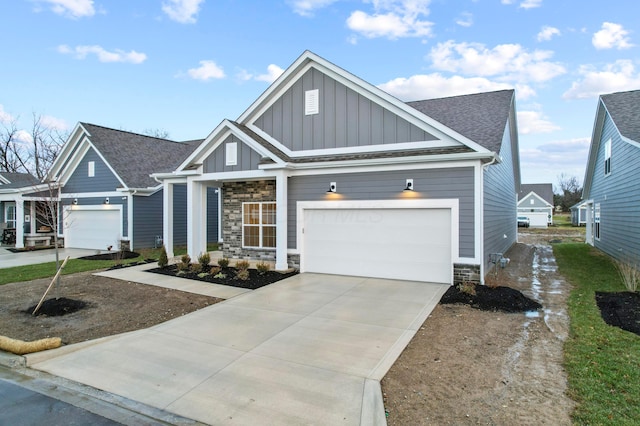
(411, 244)
(93, 229)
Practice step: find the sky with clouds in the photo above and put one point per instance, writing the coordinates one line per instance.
(182, 66)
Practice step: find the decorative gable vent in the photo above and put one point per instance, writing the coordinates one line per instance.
(311, 102)
(231, 154)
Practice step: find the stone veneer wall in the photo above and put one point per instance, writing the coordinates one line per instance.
(233, 195)
(466, 273)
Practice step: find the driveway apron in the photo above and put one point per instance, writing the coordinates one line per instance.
(310, 349)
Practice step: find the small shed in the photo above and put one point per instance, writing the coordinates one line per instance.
(579, 214)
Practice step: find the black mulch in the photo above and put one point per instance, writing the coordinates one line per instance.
(620, 309)
(500, 298)
(116, 255)
(57, 307)
(256, 279)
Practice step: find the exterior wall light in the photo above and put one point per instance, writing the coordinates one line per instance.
(106, 200)
(332, 187)
(75, 201)
(409, 185)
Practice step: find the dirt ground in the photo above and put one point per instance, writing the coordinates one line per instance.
(113, 306)
(466, 366)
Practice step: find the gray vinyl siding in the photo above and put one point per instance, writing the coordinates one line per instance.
(99, 201)
(618, 195)
(147, 220)
(430, 183)
(346, 118)
(248, 159)
(526, 202)
(500, 205)
(104, 179)
(180, 215)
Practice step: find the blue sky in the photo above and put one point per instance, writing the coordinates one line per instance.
(184, 65)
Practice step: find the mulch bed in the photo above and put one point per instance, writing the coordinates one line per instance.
(115, 255)
(256, 279)
(30, 249)
(621, 309)
(57, 307)
(485, 298)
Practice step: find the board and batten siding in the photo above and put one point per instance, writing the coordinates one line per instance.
(500, 203)
(345, 118)
(429, 184)
(180, 216)
(247, 159)
(618, 195)
(103, 180)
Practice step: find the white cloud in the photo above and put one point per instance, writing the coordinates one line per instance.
(553, 158)
(530, 4)
(53, 123)
(392, 19)
(182, 11)
(530, 122)
(430, 86)
(103, 55)
(509, 62)
(308, 7)
(547, 33)
(611, 36)
(465, 19)
(23, 136)
(5, 117)
(617, 77)
(72, 8)
(206, 71)
(273, 72)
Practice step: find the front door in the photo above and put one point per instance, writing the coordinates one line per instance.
(10, 215)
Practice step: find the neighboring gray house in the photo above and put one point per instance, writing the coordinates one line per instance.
(330, 174)
(108, 195)
(579, 214)
(535, 201)
(13, 187)
(612, 182)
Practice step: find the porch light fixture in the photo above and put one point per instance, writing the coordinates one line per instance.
(332, 187)
(409, 185)
(106, 200)
(75, 201)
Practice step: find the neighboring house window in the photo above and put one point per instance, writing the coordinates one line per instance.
(596, 221)
(92, 169)
(311, 102)
(10, 215)
(231, 154)
(259, 225)
(607, 157)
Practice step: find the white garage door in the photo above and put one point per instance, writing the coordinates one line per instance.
(92, 229)
(408, 244)
(538, 219)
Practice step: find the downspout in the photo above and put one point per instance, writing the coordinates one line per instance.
(495, 160)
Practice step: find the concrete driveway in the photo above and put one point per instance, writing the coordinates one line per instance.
(9, 259)
(310, 349)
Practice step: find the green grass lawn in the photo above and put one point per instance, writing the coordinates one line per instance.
(44, 270)
(602, 362)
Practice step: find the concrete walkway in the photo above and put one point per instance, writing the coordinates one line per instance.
(9, 259)
(310, 349)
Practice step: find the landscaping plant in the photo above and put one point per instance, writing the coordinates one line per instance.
(263, 267)
(223, 262)
(163, 260)
(204, 259)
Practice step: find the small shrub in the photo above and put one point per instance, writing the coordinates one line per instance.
(629, 274)
(223, 262)
(196, 268)
(214, 270)
(202, 274)
(263, 267)
(491, 281)
(242, 274)
(182, 267)
(204, 259)
(242, 265)
(181, 273)
(468, 288)
(220, 275)
(185, 259)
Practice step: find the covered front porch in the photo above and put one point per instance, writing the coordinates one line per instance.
(27, 222)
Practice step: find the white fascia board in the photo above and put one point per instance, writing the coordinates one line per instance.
(368, 167)
(4, 180)
(217, 137)
(74, 138)
(140, 191)
(598, 125)
(309, 60)
(92, 195)
(236, 176)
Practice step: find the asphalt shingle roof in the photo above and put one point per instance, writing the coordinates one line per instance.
(134, 157)
(623, 108)
(18, 180)
(481, 117)
(544, 191)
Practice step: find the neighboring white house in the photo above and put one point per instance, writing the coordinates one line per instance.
(536, 203)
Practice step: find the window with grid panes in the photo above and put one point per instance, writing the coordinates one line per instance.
(259, 225)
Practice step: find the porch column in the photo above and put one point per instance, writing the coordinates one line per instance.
(281, 221)
(19, 223)
(33, 225)
(167, 217)
(196, 218)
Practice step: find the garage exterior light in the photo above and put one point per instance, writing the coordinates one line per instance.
(409, 185)
(332, 187)
(106, 200)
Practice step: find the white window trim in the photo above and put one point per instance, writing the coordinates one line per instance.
(596, 220)
(260, 226)
(6, 214)
(607, 157)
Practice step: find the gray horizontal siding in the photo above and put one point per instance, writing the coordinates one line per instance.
(248, 159)
(432, 184)
(79, 181)
(618, 195)
(147, 220)
(526, 202)
(346, 118)
(500, 206)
